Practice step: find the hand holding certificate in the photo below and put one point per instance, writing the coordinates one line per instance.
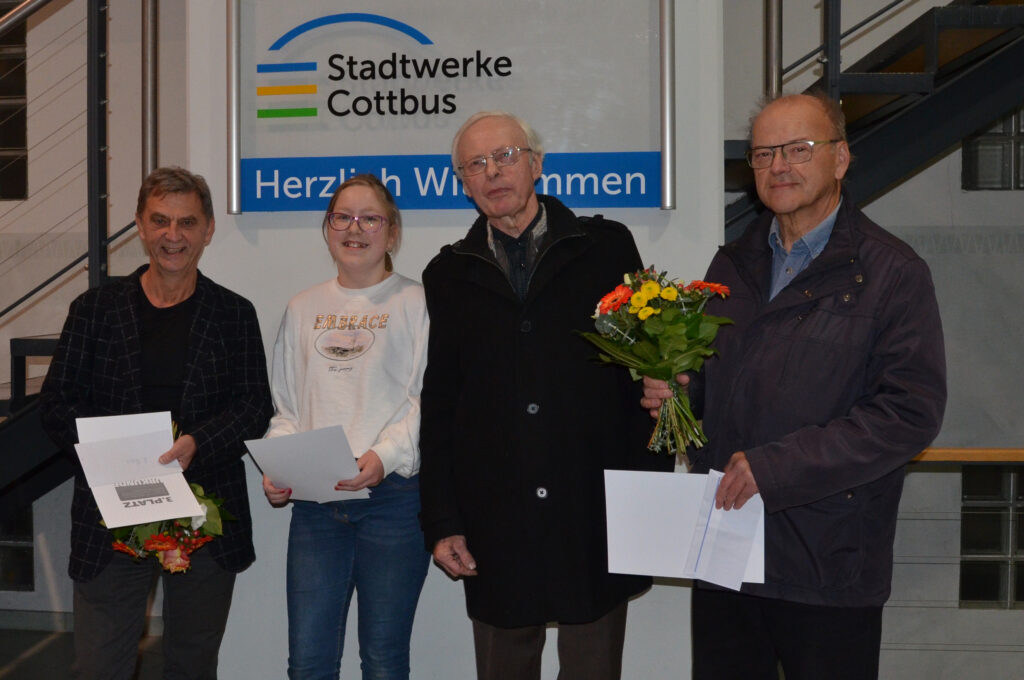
(666, 524)
(309, 463)
(119, 455)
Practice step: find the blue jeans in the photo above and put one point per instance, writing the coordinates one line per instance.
(374, 545)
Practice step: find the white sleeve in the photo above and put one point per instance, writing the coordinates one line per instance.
(397, 446)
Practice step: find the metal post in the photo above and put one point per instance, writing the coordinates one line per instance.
(234, 115)
(772, 48)
(150, 156)
(96, 154)
(833, 41)
(668, 105)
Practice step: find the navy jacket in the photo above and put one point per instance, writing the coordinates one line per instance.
(520, 421)
(96, 371)
(830, 389)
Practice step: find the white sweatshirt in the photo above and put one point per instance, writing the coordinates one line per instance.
(354, 358)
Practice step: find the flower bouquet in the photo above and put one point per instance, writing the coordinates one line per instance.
(656, 327)
(173, 540)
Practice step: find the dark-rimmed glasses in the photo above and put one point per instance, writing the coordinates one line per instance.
(506, 155)
(794, 153)
(370, 224)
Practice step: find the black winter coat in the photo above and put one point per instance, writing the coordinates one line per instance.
(519, 422)
(829, 389)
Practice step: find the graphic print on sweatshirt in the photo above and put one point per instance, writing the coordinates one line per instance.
(345, 337)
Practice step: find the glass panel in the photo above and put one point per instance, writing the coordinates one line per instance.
(12, 75)
(17, 527)
(1020, 161)
(985, 483)
(984, 531)
(983, 582)
(16, 570)
(1018, 584)
(1003, 126)
(1018, 533)
(987, 164)
(14, 178)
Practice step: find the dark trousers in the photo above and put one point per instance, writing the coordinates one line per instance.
(110, 614)
(742, 637)
(586, 651)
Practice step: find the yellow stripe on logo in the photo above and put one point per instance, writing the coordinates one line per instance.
(271, 90)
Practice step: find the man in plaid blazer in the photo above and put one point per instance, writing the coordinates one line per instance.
(164, 338)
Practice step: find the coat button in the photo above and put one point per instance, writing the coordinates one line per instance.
(846, 297)
(859, 278)
(542, 492)
(808, 293)
(532, 409)
(526, 326)
(849, 495)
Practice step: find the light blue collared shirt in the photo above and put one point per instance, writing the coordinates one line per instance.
(786, 266)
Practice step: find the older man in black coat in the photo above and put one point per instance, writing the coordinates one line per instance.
(519, 421)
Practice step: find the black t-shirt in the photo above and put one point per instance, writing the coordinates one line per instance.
(164, 332)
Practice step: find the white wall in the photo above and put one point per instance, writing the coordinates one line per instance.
(269, 257)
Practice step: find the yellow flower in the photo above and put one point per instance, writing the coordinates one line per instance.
(645, 312)
(650, 289)
(634, 309)
(669, 293)
(638, 299)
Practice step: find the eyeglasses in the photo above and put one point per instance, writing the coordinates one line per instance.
(794, 153)
(506, 155)
(371, 224)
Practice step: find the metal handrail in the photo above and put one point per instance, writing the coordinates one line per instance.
(845, 34)
(19, 13)
(64, 270)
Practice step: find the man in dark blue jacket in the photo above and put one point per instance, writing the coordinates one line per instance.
(831, 379)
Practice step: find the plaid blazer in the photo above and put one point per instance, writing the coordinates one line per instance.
(97, 371)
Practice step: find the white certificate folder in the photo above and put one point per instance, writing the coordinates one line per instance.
(119, 457)
(665, 524)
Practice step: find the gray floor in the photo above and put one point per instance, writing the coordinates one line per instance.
(40, 655)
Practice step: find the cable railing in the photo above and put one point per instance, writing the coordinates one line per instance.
(60, 182)
(64, 270)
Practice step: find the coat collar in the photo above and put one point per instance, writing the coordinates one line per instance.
(564, 240)
(753, 258)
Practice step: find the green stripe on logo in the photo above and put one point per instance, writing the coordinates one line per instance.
(286, 113)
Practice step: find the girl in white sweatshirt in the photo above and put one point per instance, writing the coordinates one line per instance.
(351, 352)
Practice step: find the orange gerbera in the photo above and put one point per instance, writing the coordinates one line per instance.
(615, 299)
(160, 542)
(713, 288)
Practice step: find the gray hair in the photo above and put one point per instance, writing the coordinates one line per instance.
(175, 180)
(532, 139)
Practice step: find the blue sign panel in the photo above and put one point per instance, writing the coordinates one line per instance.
(629, 179)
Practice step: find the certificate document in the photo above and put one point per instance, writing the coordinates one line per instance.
(666, 524)
(119, 457)
(309, 463)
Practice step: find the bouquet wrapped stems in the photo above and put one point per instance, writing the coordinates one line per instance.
(676, 426)
(656, 326)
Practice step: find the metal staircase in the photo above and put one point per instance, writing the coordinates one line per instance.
(950, 73)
